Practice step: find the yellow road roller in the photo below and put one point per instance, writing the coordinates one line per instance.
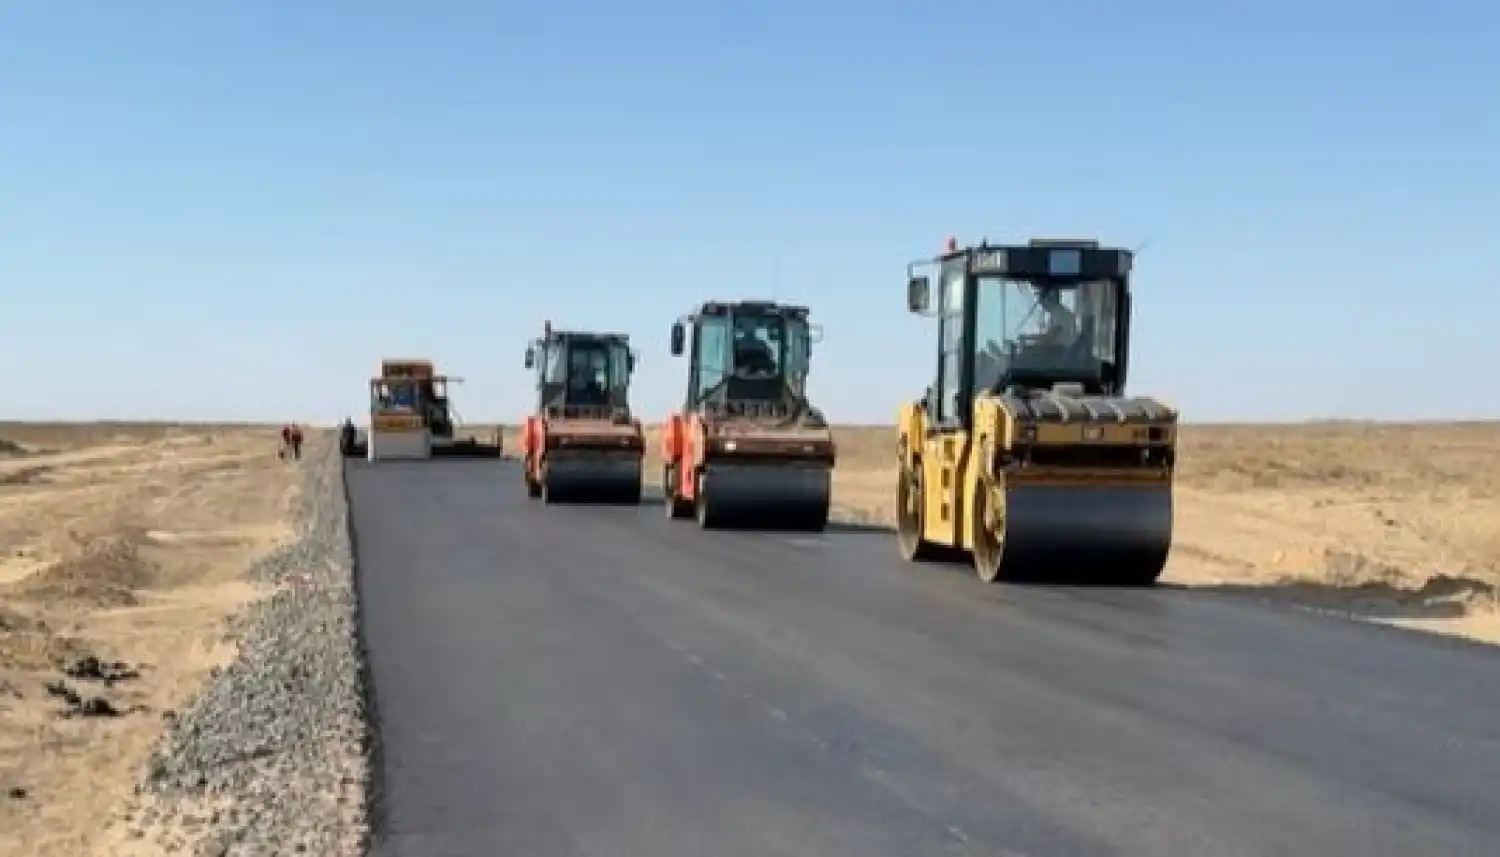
(1026, 456)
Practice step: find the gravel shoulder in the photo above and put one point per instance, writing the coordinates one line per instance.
(271, 756)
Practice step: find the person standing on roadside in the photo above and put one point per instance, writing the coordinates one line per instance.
(286, 441)
(296, 441)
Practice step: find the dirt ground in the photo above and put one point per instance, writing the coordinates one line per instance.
(1397, 523)
(1389, 522)
(123, 549)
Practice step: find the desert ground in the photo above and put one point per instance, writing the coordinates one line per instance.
(1389, 522)
(124, 549)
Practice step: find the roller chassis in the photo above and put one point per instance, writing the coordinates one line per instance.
(748, 450)
(582, 445)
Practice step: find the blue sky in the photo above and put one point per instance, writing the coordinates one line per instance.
(235, 210)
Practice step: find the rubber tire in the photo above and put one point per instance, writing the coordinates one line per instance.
(707, 520)
(549, 495)
(533, 487)
(677, 508)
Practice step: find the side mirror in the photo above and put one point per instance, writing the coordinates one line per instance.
(679, 338)
(530, 357)
(918, 294)
(815, 333)
(630, 362)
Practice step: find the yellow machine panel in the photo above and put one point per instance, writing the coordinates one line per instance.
(387, 421)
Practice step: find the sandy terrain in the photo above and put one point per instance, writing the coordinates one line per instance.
(1389, 522)
(122, 551)
(1397, 523)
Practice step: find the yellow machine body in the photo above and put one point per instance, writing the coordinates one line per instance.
(1042, 482)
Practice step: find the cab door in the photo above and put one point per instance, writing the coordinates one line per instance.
(946, 445)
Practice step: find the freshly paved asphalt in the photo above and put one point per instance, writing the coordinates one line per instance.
(601, 681)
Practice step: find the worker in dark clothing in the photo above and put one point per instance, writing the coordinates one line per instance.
(347, 436)
(753, 357)
(286, 441)
(295, 438)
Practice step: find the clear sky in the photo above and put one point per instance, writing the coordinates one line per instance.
(234, 210)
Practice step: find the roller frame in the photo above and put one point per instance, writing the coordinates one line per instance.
(910, 525)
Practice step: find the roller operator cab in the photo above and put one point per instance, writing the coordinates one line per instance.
(412, 416)
(582, 443)
(1027, 455)
(748, 448)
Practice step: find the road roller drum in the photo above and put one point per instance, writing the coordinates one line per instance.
(765, 496)
(586, 476)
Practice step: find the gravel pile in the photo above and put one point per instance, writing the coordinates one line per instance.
(271, 757)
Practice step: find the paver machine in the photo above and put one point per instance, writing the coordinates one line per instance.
(748, 449)
(582, 444)
(1026, 455)
(412, 417)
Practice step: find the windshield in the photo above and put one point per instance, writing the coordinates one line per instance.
(591, 372)
(393, 395)
(760, 355)
(1043, 331)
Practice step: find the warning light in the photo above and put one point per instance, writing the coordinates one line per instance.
(952, 244)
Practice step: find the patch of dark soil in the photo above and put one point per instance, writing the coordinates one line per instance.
(76, 704)
(26, 475)
(91, 668)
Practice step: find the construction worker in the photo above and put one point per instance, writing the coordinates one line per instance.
(295, 438)
(753, 358)
(347, 435)
(1062, 323)
(286, 441)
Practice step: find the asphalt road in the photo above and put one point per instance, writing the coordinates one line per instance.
(601, 681)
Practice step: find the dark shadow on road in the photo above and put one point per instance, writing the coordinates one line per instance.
(859, 527)
(1442, 597)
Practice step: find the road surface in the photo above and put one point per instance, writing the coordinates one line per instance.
(563, 680)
